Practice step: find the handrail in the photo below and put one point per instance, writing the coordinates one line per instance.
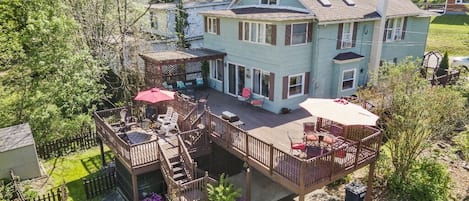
(187, 160)
(16, 186)
(289, 167)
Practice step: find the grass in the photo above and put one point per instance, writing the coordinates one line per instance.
(72, 168)
(449, 33)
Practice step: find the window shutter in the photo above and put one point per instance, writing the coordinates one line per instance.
(272, 86)
(205, 24)
(404, 28)
(285, 87)
(354, 37)
(240, 30)
(274, 35)
(339, 36)
(218, 26)
(287, 34)
(310, 32)
(306, 83)
(385, 31)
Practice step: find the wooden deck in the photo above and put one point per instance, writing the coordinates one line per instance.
(262, 142)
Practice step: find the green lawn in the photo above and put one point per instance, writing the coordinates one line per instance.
(449, 33)
(72, 168)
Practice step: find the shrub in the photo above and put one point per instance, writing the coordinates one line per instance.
(444, 65)
(154, 197)
(225, 191)
(427, 180)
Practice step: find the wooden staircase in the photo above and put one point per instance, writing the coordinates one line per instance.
(184, 180)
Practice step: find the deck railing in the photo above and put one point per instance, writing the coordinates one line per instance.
(300, 173)
(133, 155)
(187, 161)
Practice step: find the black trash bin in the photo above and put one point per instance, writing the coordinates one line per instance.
(355, 191)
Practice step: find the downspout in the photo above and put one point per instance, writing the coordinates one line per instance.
(378, 34)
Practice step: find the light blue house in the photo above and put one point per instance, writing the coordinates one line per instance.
(288, 50)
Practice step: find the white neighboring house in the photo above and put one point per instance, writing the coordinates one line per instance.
(163, 21)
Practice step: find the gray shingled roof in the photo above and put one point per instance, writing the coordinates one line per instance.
(270, 14)
(338, 11)
(15, 137)
(363, 9)
(347, 55)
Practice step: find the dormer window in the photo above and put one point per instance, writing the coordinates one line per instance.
(269, 2)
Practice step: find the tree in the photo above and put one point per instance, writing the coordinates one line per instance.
(225, 191)
(48, 78)
(444, 65)
(412, 112)
(181, 25)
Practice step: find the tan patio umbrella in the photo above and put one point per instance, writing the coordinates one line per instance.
(340, 111)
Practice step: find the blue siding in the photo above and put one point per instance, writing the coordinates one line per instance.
(327, 74)
(413, 43)
(279, 59)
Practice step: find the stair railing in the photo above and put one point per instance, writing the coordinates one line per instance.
(188, 163)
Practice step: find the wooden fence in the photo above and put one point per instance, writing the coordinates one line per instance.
(67, 145)
(100, 184)
(57, 195)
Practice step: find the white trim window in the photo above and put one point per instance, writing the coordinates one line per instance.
(212, 25)
(348, 79)
(269, 2)
(258, 32)
(296, 85)
(462, 2)
(216, 69)
(347, 35)
(299, 33)
(394, 28)
(260, 82)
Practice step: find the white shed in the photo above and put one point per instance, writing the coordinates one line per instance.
(18, 152)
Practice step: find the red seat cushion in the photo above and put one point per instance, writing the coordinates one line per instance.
(256, 102)
(300, 146)
(329, 140)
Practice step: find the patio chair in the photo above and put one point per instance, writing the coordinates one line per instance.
(171, 124)
(199, 82)
(296, 145)
(180, 85)
(245, 95)
(257, 102)
(165, 117)
(167, 86)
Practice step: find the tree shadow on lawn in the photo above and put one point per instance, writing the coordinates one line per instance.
(95, 163)
(451, 20)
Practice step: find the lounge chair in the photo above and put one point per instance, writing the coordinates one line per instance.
(165, 117)
(171, 124)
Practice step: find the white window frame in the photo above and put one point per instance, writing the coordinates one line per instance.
(269, 2)
(306, 34)
(262, 72)
(341, 84)
(214, 70)
(302, 85)
(212, 25)
(260, 36)
(347, 37)
(394, 31)
(461, 2)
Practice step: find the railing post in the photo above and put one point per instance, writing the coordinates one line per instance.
(271, 165)
(359, 147)
(332, 164)
(302, 176)
(228, 134)
(246, 138)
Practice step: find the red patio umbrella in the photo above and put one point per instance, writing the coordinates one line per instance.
(154, 95)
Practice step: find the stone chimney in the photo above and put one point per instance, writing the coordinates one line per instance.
(378, 35)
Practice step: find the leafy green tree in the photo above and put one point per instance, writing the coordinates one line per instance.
(444, 65)
(225, 191)
(412, 112)
(48, 78)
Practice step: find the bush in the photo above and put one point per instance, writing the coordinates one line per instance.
(427, 180)
(225, 191)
